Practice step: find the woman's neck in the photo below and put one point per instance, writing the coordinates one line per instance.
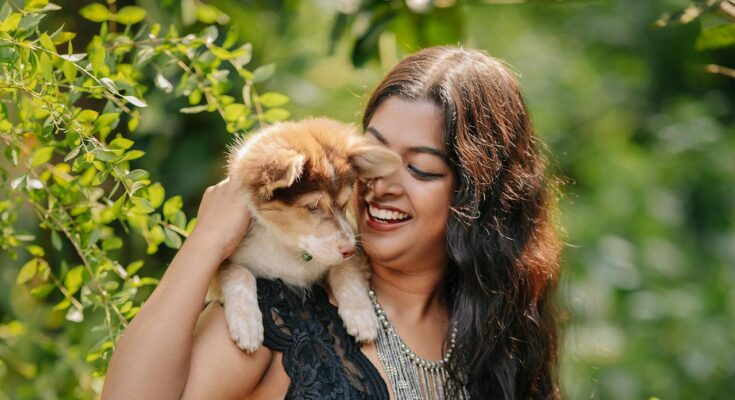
(411, 296)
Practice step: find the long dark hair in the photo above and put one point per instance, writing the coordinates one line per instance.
(502, 239)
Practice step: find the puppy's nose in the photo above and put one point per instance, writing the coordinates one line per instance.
(347, 250)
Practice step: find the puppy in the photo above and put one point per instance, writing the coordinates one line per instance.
(297, 178)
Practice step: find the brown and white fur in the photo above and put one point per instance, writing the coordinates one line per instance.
(297, 178)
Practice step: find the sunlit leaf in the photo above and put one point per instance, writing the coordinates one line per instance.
(129, 15)
(95, 12)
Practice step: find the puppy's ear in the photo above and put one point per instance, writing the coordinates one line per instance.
(372, 161)
(267, 168)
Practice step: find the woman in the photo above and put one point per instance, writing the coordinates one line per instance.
(464, 269)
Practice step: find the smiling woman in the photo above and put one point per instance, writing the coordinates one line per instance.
(459, 240)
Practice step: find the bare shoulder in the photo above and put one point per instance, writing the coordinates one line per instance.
(219, 369)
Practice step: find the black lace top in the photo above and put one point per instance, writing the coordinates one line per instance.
(322, 360)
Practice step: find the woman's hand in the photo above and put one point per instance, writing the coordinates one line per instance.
(223, 218)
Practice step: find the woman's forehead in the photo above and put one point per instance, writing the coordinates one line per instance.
(401, 123)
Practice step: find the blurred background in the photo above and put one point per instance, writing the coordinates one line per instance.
(634, 120)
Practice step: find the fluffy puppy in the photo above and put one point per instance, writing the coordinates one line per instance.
(297, 178)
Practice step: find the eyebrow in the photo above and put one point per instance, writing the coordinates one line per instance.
(413, 149)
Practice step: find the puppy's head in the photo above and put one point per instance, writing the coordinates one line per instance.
(299, 176)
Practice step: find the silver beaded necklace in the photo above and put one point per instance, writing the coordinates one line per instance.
(412, 377)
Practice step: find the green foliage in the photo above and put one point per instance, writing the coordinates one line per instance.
(67, 124)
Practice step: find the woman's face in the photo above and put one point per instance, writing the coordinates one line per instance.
(402, 217)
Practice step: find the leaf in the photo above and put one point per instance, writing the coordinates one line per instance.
(136, 174)
(142, 204)
(190, 226)
(62, 305)
(156, 193)
(35, 250)
(104, 154)
(27, 271)
(133, 155)
(109, 84)
(130, 15)
(135, 101)
(11, 22)
(133, 267)
(233, 111)
(46, 42)
(55, 240)
(87, 116)
(73, 57)
(63, 37)
(264, 72)
(121, 143)
(276, 114)
(193, 110)
(75, 315)
(208, 14)
(41, 155)
(73, 279)
(111, 243)
(163, 83)
(716, 37)
(172, 205)
(42, 290)
(273, 99)
(173, 240)
(95, 12)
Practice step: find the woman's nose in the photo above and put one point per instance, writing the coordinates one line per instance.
(387, 185)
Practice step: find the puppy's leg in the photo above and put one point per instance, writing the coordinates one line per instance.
(350, 284)
(244, 319)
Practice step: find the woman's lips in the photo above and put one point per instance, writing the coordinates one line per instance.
(392, 218)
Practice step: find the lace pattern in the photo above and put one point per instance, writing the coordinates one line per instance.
(322, 360)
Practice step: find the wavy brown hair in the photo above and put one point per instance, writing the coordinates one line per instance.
(501, 236)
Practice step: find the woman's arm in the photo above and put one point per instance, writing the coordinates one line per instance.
(153, 357)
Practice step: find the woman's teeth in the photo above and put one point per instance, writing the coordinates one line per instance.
(386, 215)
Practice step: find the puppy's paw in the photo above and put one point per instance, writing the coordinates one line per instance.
(245, 326)
(360, 320)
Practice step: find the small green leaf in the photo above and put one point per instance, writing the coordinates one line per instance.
(95, 12)
(172, 240)
(42, 290)
(133, 267)
(104, 154)
(209, 14)
(46, 42)
(190, 226)
(171, 206)
(87, 116)
(55, 241)
(11, 22)
(142, 204)
(121, 143)
(276, 114)
(273, 99)
(35, 250)
(111, 243)
(73, 279)
(135, 101)
(27, 271)
(263, 73)
(136, 174)
(41, 155)
(194, 110)
(716, 37)
(233, 111)
(133, 155)
(130, 15)
(155, 193)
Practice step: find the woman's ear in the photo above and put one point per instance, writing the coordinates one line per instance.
(372, 161)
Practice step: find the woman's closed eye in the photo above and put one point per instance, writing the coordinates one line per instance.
(423, 175)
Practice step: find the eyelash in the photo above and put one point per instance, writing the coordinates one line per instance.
(424, 176)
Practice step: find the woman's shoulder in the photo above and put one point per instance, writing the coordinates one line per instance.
(218, 368)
